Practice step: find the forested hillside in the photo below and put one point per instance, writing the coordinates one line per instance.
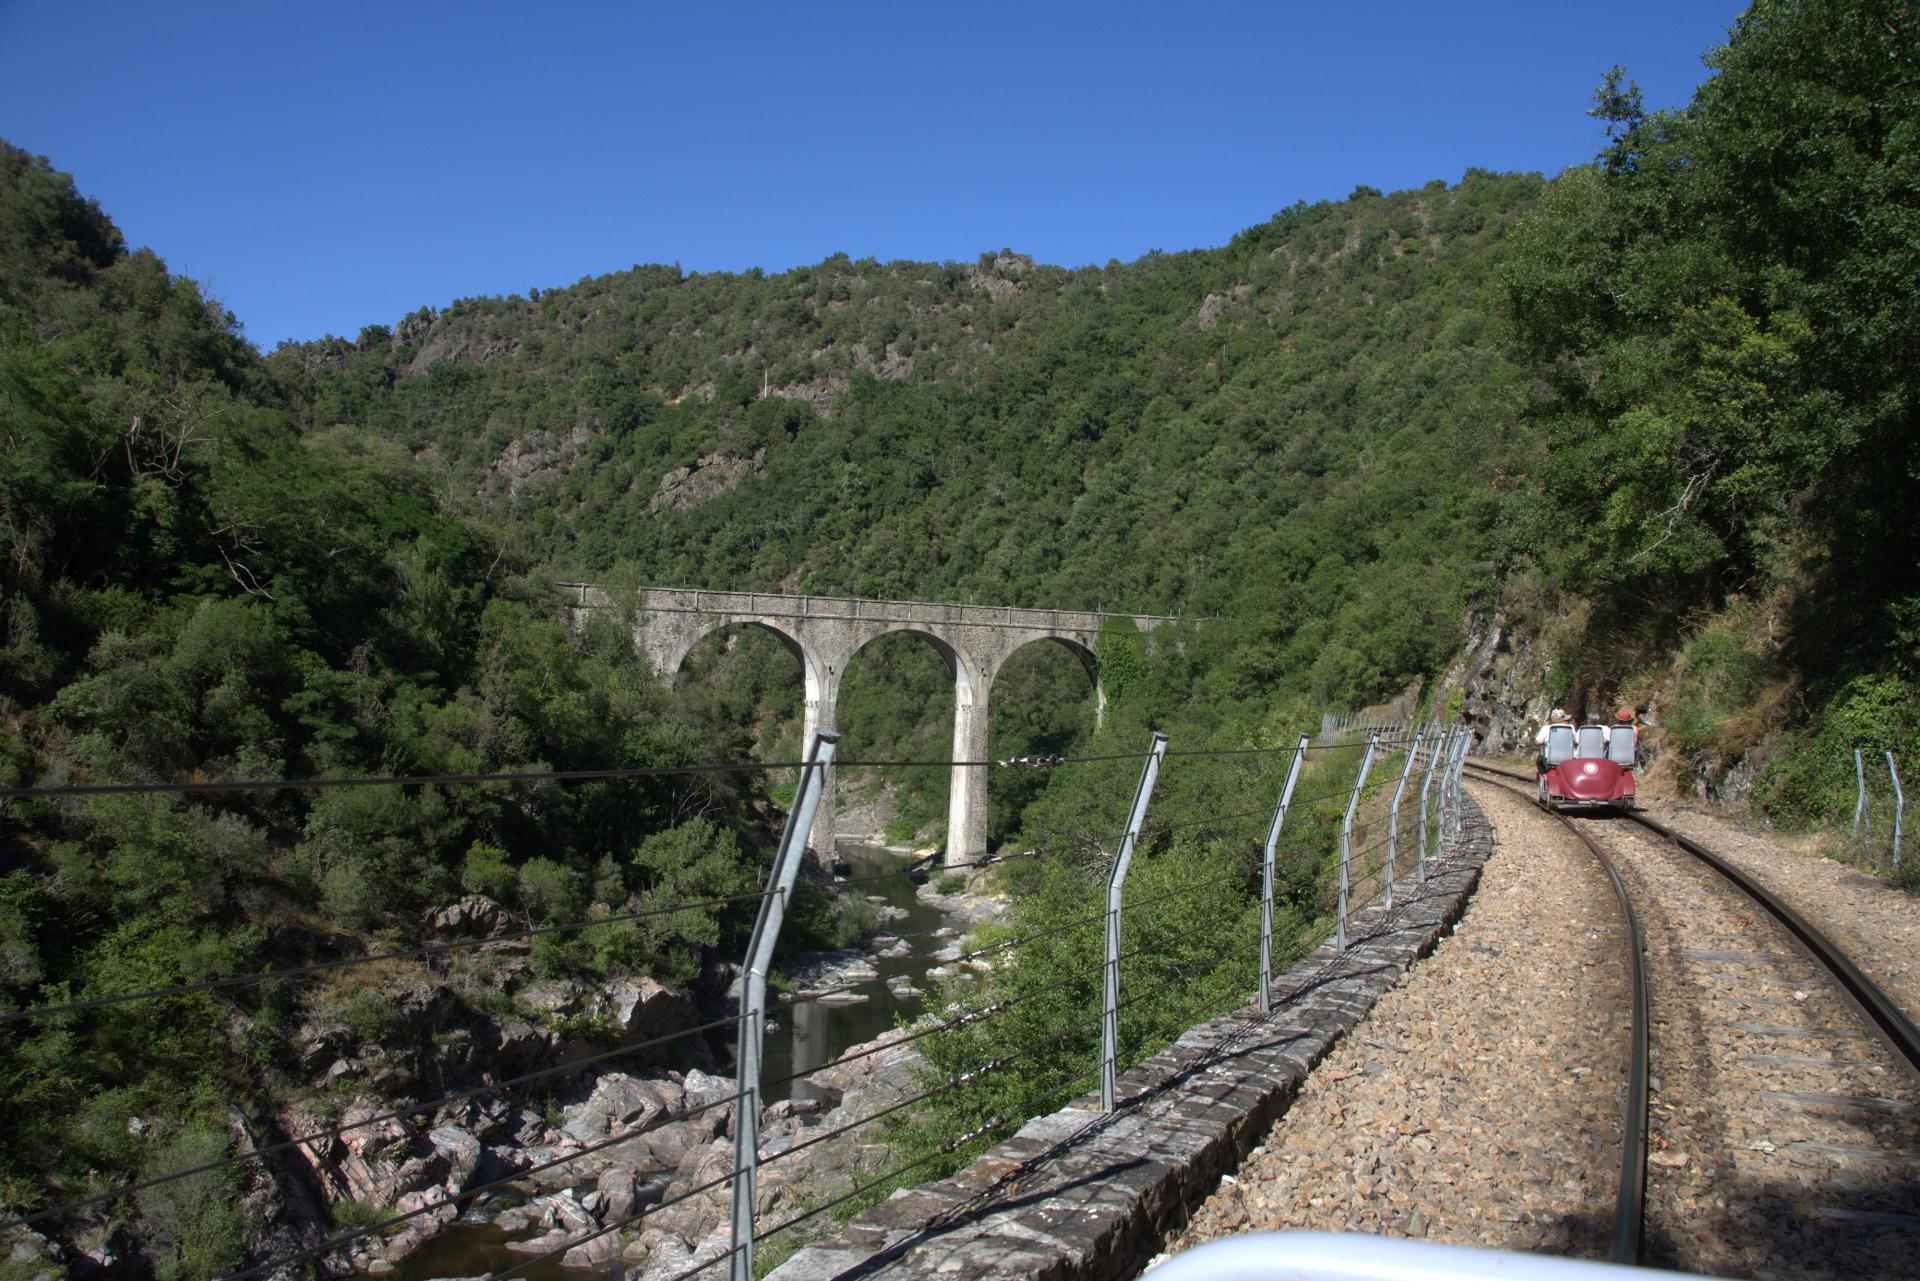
(1655, 417)
(1299, 434)
(1291, 430)
(195, 589)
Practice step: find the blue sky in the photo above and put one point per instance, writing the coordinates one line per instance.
(325, 167)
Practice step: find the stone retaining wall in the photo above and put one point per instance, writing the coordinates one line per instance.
(1083, 1196)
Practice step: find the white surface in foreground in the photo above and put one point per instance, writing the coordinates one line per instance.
(1339, 1256)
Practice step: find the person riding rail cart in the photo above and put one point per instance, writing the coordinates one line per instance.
(1587, 766)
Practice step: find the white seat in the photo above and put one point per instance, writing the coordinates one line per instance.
(1590, 743)
(1559, 744)
(1622, 740)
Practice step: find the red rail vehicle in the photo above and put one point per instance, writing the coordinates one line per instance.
(1587, 767)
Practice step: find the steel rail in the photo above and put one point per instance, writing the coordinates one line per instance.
(1893, 1023)
(1629, 1216)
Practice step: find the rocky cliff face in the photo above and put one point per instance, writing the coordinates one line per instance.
(1505, 678)
(1501, 675)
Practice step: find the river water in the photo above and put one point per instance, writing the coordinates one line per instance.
(813, 1034)
(808, 1036)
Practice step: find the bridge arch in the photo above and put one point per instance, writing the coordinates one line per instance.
(1073, 645)
(971, 680)
(971, 675)
(1040, 704)
(817, 677)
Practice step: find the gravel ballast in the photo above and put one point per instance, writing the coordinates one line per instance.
(1480, 1102)
(1784, 1135)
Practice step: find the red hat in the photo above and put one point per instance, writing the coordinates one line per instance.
(1624, 714)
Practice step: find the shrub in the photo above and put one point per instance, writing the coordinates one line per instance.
(552, 891)
(487, 872)
(193, 1223)
(1814, 782)
(368, 1015)
(1716, 705)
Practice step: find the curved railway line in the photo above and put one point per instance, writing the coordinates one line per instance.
(1773, 1088)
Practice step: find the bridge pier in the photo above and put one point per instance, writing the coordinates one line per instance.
(823, 693)
(967, 792)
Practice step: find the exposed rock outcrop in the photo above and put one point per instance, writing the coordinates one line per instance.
(532, 460)
(715, 474)
(459, 343)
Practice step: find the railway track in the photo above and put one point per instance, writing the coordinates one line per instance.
(1773, 1102)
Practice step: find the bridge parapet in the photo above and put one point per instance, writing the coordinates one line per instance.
(687, 600)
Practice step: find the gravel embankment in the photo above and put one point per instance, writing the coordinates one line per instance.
(1783, 1134)
(1480, 1101)
(1872, 920)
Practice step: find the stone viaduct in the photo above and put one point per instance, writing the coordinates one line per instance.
(825, 632)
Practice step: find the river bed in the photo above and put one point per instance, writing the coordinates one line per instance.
(806, 1037)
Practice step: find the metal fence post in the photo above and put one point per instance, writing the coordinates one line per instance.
(753, 996)
(1426, 786)
(1899, 808)
(1393, 815)
(1460, 778)
(1859, 805)
(1266, 875)
(1116, 882)
(1346, 841)
(1447, 797)
(1460, 769)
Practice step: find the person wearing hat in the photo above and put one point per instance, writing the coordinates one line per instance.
(1557, 717)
